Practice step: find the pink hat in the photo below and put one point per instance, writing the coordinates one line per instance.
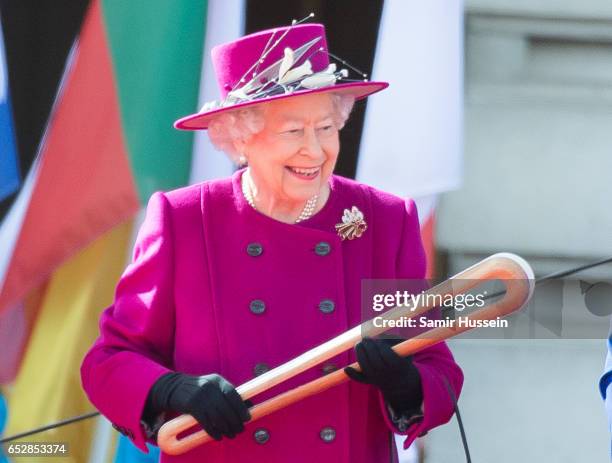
(274, 64)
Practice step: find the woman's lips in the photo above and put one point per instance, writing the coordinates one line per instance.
(304, 173)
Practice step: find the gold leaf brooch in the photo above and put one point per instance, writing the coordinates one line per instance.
(352, 225)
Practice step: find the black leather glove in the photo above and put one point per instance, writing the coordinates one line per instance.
(210, 399)
(396, 376)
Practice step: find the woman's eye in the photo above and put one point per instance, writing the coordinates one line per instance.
(293, 131)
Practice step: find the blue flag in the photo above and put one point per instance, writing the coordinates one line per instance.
(128, 453)
(3, 416)
(9, 170)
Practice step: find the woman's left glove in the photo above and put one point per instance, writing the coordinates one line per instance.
(396, 376)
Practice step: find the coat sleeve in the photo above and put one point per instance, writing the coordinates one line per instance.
(436, 364)
(135, 345)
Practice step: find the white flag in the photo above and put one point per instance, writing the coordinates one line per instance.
(224, 23)
(412, 138)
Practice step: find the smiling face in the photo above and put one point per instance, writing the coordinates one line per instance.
(292, 158)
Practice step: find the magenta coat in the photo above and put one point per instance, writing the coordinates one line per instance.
(215, 286)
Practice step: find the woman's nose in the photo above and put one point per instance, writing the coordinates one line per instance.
(311, 145)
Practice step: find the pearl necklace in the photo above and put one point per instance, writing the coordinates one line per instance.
(309, 207)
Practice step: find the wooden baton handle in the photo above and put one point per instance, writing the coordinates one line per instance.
(515, 272)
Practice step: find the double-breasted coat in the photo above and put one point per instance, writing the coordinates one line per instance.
(216, 287)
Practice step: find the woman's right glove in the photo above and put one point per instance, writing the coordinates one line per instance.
(210, 399)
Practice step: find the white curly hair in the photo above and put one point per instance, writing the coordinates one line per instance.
(245, 122)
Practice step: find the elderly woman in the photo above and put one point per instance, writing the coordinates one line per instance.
(233, 277)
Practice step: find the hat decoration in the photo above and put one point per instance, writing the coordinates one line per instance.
(284, 76)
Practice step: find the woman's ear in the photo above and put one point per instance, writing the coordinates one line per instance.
(240, 147)
(241, 144)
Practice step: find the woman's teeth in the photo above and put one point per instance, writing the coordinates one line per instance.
(308, 172)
